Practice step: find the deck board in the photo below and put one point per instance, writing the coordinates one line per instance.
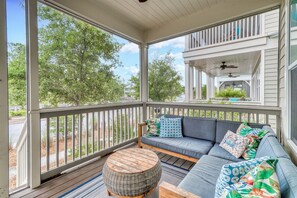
(68, 181)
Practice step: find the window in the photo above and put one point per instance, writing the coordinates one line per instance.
(293, 69)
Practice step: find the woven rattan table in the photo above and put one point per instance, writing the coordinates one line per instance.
(132, 172)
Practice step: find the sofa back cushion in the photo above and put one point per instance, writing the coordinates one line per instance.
(270, 146)
(224, 125)
(287, 173)
(202, 128)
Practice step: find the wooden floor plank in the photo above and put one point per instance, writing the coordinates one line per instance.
(68, 181)
(172, 160)
(187, 165)
(165, 158)
(179, 162)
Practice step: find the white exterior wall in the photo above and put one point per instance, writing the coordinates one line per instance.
(270, 77)
(271, 22)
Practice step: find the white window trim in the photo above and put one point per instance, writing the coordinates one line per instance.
(290, 67)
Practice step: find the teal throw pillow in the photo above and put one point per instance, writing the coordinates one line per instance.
(170, 127)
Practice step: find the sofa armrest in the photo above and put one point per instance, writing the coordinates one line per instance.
(140, 131)
(167, 190)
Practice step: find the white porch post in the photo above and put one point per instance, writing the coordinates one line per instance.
(187, 82)
(208, 87)
(144, 92)
(191, 87)
(4, 158)
(212, 87)
(33, 92)
(198, 83)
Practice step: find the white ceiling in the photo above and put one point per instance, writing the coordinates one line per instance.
(157, 20)
(155, 13)
(245, 62)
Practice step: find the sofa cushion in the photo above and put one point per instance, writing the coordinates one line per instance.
(218, 151)
(187, 146)
(287, 173)
(224, 125)
(201, 128)
(269, 146)
(202, 178)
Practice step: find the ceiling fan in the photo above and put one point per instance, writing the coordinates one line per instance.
(224, 66)
(230, 75)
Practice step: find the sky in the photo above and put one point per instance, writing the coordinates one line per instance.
(129, 53)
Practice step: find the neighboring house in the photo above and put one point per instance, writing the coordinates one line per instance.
(249, 44)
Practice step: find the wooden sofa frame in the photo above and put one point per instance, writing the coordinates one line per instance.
(167, 190)
(142, 145)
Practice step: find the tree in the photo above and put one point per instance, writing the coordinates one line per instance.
(164, 81)
(76, 61)
(17, 74)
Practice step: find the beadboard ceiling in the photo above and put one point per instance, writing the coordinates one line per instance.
(155, 13)
(157, 20)
(245, 62)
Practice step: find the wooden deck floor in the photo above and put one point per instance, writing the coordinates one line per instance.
(68, 181)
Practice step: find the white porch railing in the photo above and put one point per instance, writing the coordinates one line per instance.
(238, 113)
(22, 157)
(240, 29)
(71, 136)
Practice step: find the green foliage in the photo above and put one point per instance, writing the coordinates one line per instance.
(204, 92)
(164, 81)
(21, 112)
(17, 74)
(231, 93)
(76, 61)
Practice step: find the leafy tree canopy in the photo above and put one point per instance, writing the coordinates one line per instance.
(76, 61)
(164, 81)
(17, 74)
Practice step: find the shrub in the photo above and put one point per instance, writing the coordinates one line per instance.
(231, 93)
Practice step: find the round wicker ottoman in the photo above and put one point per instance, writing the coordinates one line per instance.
(132, 172)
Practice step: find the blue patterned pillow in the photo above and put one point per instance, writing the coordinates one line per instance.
(231, 173)
(170, 127)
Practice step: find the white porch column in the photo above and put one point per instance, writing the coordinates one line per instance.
(208, 87)
(212, 87)
(191, 83)
(187, 82)
(33, 92)
(4, 139)
(144, 91)
(198, 83)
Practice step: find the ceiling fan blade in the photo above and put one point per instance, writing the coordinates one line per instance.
(232, 66)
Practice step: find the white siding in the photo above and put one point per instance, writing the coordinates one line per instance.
(271, 21)
(270, 77)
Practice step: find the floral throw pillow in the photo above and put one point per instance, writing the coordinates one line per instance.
(170, 127)
(153, 126)
(234, 143)
(260, 182)
(244, 126)
(231, 173)
(254, 135)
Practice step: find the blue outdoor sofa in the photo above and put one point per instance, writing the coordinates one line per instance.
(200, 144)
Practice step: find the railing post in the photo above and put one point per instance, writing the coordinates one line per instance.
(4, 139)
(33, 95)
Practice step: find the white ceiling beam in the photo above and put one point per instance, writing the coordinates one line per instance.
(102, 16)
(219, 13)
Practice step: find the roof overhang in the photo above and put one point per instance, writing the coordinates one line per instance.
(103, 14)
